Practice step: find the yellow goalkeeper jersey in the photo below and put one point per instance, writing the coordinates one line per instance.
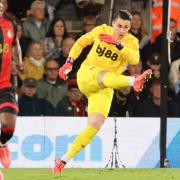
(104, 55)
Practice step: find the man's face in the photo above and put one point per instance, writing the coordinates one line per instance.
(67, 45)
(134, 69)
(59, 28)
(39, 12)
(75, 94)
(89, 26)
(3, 6)
(136, 22)
(120, 27)
(29, 91)
(36, 51)
(51, 70)
(156, 91)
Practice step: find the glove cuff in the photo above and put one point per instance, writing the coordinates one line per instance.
(120, 46)
(70, 60)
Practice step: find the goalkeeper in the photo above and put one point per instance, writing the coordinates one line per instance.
(100, 74)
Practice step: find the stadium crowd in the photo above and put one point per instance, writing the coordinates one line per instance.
(45, 42)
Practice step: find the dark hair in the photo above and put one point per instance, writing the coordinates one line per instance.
(123, 14)
(141, 31)
(136, 13)
(49, 60)
(155, 81)
(173, 20)
(50, 32)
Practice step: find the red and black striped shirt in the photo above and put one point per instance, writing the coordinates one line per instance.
(7, 35)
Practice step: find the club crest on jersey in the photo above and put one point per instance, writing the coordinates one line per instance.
(9, 33)
(103, 51)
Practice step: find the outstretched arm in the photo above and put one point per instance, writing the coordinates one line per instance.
(76, 50)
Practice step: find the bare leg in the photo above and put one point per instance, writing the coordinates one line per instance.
(7, 119)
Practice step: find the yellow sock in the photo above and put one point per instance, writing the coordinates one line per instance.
(116, 81)
(82, 140)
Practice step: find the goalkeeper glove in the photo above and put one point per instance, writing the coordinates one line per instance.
(66, 68)
(111, 40)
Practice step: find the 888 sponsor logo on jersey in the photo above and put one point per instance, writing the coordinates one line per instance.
(103, 51)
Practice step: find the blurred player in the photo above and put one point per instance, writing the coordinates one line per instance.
(1, 176)
(8, 107)
(100, 74)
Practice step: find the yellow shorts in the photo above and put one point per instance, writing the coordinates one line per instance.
(99, 100)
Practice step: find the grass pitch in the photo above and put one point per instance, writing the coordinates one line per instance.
(92, 174)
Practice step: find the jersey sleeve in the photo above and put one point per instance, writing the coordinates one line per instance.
(14, 25)
(84, 41)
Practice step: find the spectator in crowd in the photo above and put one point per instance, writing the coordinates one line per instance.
(67, 44)
(134, 69)
(124, 103)
(36, 25)
(30, 104)
(23, 40)
(33, 62)
(150, 107)
(89, 23)
(137, 29)
(53, 41)
(74, 104)
(51, 87)
(154, 63)
(175, 41)
(174, 76)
